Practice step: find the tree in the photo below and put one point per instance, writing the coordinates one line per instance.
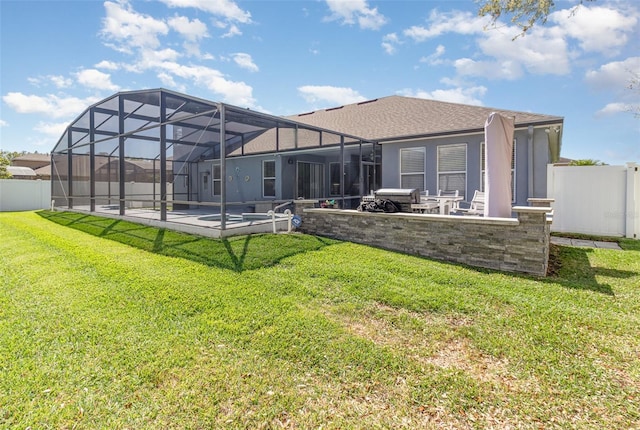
(522, 13)
(587, 162)
(4, 162)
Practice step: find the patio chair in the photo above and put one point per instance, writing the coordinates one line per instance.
(453, 203)
(476, 206)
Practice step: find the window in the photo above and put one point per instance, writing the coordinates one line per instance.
(452, 168)
(513, 169)
(268, 178)
(217, 183)
(412, 168)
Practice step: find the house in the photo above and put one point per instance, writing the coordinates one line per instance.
(39, 163)
(434, 145)
(21, 172)
(170, 145)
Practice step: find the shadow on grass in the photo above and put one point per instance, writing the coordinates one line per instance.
(570, 267)
(237, 254)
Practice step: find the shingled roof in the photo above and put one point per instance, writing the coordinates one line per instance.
(398, 117)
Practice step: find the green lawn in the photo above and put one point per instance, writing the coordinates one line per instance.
(108, 324)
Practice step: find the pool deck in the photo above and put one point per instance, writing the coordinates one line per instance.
(193, 221)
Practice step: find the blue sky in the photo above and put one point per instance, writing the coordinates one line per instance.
(286, 57)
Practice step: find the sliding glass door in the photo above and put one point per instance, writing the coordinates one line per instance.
(310, 180)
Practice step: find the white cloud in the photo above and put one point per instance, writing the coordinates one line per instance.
(168, 82)
(233, 31)
(139, 36)
(193, 50)
(49, 105)
(545, 50)
(55, 129)
(108, 65)
(93, 78)
(613, 76)
(190, 30)
(330, 94)
(434, 59)
(509, 70)
(389, 43)
(614, 108)
(469, 96)
(237, 93)
(61, 81)
(57, 80)
(150, 58)
(540, 52)
(450, 22)
(245, 61)
(597, 28)
(616, 78)
(3, 123)
(130, 29)
(352, 11)
(224, 8)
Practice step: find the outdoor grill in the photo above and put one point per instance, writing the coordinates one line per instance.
(401, 197)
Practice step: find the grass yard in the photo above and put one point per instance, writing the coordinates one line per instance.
(108, 324)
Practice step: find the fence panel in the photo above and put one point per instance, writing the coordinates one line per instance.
(24, 195)
(598, 200)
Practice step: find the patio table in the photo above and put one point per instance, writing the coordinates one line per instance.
(445, 203)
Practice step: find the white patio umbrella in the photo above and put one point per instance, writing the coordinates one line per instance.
(498, 137)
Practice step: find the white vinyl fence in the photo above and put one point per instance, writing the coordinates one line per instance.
(24, 194)
(598, 200)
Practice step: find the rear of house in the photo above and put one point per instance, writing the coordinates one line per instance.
(154, 148)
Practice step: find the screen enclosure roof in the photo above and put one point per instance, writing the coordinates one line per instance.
(146, 117)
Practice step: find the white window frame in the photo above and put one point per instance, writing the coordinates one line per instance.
(463, 192)
(422, 150)
(268, 178)
(514, 153)
(216, 180)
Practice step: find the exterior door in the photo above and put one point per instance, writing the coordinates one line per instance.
(310, 180)
(372, 178)
(204, 187)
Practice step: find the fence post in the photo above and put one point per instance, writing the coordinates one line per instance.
(632, 227)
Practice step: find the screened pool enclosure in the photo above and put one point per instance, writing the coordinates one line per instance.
(159, 153)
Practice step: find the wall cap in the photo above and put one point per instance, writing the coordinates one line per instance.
(417, 216)
(531, 209)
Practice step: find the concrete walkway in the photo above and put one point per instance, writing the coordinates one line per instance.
(565, 241)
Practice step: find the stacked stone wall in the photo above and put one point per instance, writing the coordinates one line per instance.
(510, 244)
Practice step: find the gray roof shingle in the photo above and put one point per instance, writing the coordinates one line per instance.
(397, 117)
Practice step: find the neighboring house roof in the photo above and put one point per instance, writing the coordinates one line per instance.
(34, 161)
(44, 171)
(21, 172)
(398, 117)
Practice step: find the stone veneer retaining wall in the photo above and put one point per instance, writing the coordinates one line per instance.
(510, 244)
